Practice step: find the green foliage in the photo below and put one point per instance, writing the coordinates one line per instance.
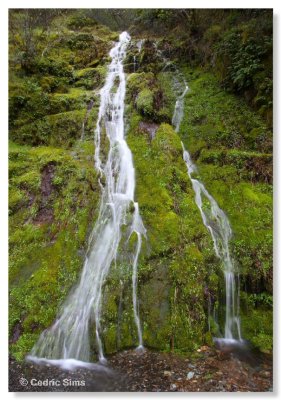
(249, 208)
(23, 346)
(236, 45)
(242, 57)
(139, 81)
(260, 298)
(27, 102)
(17, 199)
(79, 21)
(60, 59)
(76, 99)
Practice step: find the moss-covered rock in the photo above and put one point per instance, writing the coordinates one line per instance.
(164, 273)
(90, 78)
(52, 210)
(144, 102)
(61, 129)
(150, 96)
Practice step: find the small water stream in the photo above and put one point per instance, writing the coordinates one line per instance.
(219, 228)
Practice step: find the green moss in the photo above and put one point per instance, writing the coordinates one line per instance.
(249, 208)
(61, 61)
(151, 95)
(45, 249)
(165, 80)
(167, 142)
(75, 99)
(23, 346)
(214, 118)
(257, 321)
(144, 102)
(110, 344)
(17, 198)
(177, 267)
(250, 165)
(226, 146)
(138, 81)
(55, 130)
(90, 78)
(31, 179)
(173, 224)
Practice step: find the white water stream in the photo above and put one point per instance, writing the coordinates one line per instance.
(68, 338)
(218, 225)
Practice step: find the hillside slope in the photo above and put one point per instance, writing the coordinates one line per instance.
(55, 75)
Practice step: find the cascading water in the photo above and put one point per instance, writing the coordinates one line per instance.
(140, 44)
(218, 225)
(213, 218)
(136, 63)
(68, 338)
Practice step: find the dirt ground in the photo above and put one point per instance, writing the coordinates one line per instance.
(208, 370)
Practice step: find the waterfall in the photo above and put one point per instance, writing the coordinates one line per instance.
(219, 228)
(68, 338)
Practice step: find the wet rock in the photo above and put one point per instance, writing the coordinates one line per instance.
(149, 127)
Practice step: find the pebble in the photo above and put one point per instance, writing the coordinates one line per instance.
(173, 387)
(190, 375)
(137, 374)
(265, 373)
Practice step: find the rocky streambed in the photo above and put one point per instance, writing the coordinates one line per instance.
(209, 370)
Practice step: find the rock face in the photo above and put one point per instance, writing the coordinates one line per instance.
(54, 193)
